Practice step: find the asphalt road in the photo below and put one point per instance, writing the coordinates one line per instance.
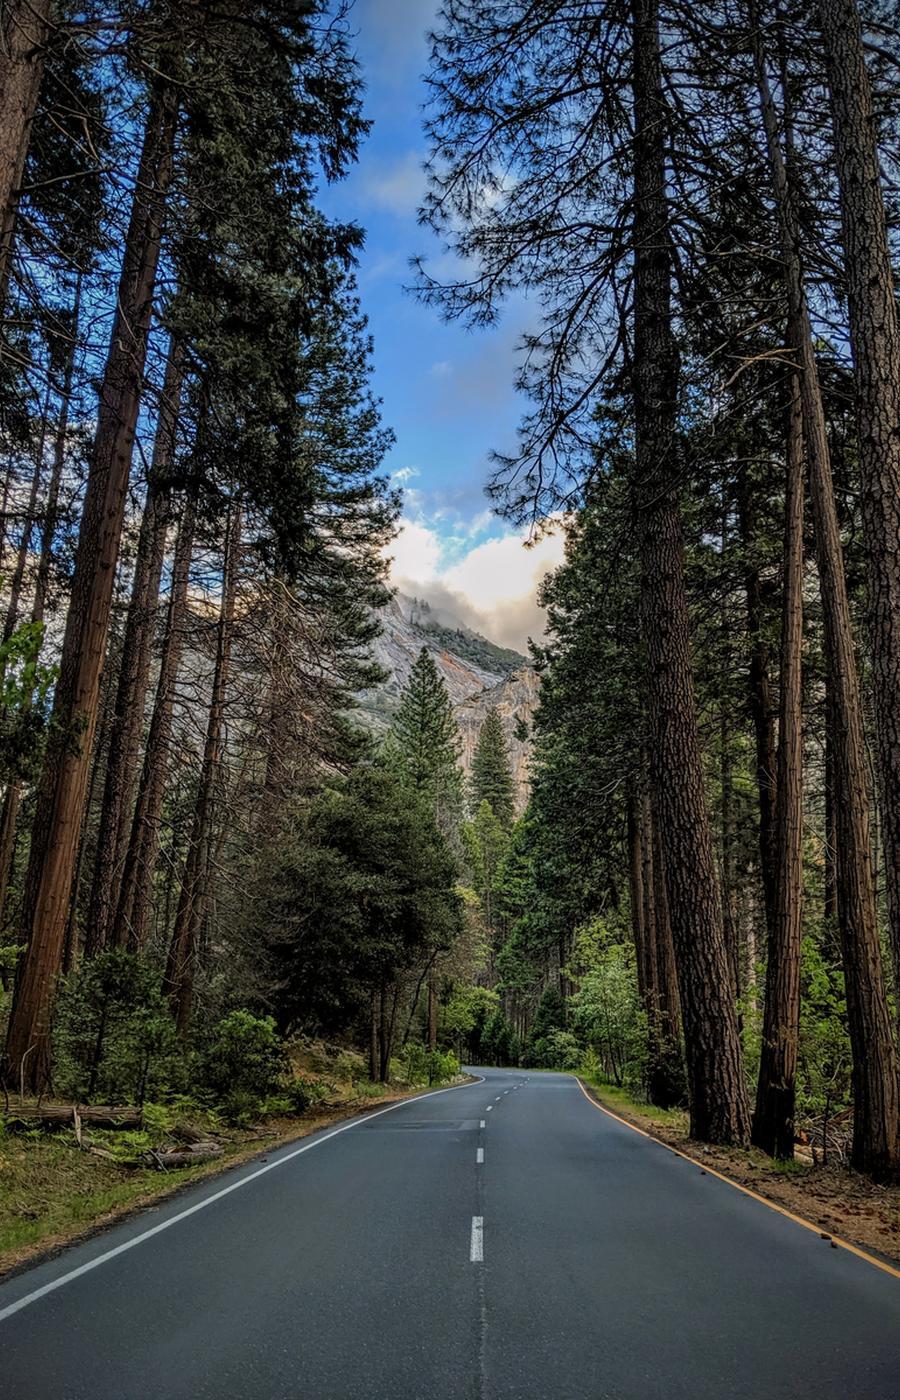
(502, 1239)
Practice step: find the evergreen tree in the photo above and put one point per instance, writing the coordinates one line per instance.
(429, 743)
(492, 777)
(486, 842)
(368, 885)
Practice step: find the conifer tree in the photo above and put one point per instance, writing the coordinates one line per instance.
(492, 777)
(429, 743)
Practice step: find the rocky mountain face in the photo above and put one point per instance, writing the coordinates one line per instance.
(515, 699)
(479, 675)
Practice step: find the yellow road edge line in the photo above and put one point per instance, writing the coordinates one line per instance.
(754, 1195)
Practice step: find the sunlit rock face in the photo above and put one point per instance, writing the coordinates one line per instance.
(479, 676)
(515, 699)
(407, 628)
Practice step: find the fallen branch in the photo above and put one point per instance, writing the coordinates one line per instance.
(183, 1157)
(62, 1115)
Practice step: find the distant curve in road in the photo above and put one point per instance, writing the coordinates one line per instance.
(500, 1239)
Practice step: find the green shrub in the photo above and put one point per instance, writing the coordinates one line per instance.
(297, 1096)
(556, 1050)
(442, 1066)
(240, 1107)
(114, 1040)
(243, 1058)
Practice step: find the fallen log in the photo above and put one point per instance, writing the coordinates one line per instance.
(64, 1115)
(182, 1157)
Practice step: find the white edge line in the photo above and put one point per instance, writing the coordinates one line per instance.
(217, 1196)
(476, 1247)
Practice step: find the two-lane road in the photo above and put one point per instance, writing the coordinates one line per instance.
(501, 1239)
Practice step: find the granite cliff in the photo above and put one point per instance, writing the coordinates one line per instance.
(478, 673)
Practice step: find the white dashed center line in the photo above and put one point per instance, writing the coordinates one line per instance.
(479, 1157)
(476, 1248)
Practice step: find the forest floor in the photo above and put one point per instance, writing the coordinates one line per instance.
(52, 1194)
(837, 1200)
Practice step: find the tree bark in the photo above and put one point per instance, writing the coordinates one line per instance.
(647, 975)
(762, 712)
(729, 918)
(432, 1012)
(134, 673)
(773, 1121)
(373, 1038)
(666, 970)
(139, 867)
(665, 1078)
(54, 839)
(830, 875)
(193, 895)
(9, 814)
(30, 519)
(636, 886)
(717, 1092)
(25, 30)
(876, 1147)
(875, 341)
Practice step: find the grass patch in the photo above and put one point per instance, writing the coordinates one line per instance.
(51, 1190)
(617, 1098)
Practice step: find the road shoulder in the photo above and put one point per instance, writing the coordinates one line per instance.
(835, 1201)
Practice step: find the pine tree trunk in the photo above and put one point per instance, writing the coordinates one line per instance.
(636, 886)
(384, 1053)
(762, 712)
(666, 970)
(876, 1146)
(54, 839)
(432, 1012)
(134, 673)
(373, 1038)
(718, 1095)
(665, 1079)
(773, 1121)
(831, 851)
(139, 865)
(647, 974)
(193, 896)
(726, 783)
(9, 814)
(25, 30)
(875, 339)
(31, 511)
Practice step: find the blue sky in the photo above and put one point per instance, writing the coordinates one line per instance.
(447, 392)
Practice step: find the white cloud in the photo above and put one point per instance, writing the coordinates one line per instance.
(400, 187)
(415, 553)
(492, 587)
(441, 368)
(405, 474)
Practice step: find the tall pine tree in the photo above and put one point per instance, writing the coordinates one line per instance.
(428, 739)
(492, 777)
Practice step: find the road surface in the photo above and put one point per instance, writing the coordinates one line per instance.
(502, 1239)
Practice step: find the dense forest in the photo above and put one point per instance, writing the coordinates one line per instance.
(204, 855)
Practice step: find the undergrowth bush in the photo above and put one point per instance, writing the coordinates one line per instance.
(114, 1039)
(243, 1055)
